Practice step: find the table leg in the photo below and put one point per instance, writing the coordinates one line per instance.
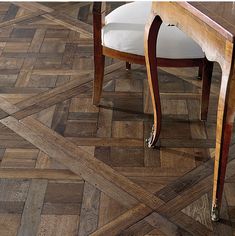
(99, 58)
(225, 120)
(206, 85)
(151, 33)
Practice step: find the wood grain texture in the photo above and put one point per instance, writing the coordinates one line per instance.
(89, 211)
(32, 210)
(91, 171)
(218, 45)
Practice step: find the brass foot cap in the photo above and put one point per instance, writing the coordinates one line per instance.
(215, 214)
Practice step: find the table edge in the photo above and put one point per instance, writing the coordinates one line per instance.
(207, 20)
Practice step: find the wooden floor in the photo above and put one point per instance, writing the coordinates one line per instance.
(69, 168)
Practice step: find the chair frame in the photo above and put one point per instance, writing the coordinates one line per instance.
(100, 51)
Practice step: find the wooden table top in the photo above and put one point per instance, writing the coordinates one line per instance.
(219, 15)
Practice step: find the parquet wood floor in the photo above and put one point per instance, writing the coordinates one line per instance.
(69, 168)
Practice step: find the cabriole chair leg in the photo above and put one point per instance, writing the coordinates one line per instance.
(128, 65)
(98, 79)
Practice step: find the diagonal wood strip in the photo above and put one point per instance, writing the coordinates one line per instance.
(65, 91)
(124, 221)
(20, 19)
(128, 218)
(70, 23)
(80, 162)
(68, 5)
(59, 18)
(34, 6)
(183, 220)
(51, 143)
(204, 184)
(45, 139)
(54, 92)
(159, 222)
(191, 225)
(186, 181)
(62, 174)
(51, 97)
(172, 208)
(3, 114)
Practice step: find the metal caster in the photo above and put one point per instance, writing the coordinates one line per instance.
(215, 213)
(149, 141)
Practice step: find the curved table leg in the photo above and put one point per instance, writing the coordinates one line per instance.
(206, 85)
(151, 32)
(225, 120)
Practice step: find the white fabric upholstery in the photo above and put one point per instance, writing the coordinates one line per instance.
(124, 31)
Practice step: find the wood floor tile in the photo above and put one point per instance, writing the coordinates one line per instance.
(9, 224)
(70, 168)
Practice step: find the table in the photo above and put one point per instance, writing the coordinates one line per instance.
(212, 26)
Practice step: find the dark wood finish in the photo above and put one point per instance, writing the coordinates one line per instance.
(98, 17)
(128, 65)
(212, 26)
(161, 62)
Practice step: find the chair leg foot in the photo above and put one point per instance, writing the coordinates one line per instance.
(95, 103)
(215, 213)
(95, 100)
(128, 65)
(153, 141)
(200, 71)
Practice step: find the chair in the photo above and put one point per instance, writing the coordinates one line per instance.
(120, 35)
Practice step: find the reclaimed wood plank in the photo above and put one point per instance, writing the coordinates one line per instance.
(90, 210)
(103, 141)
(61, 93)
(59, 225)
(32, 210)
(26, 127)
(70, 23)
(28, 173)
(20, 19)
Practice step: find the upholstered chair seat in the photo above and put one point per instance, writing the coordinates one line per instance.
(124, 31)
(120, 35)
